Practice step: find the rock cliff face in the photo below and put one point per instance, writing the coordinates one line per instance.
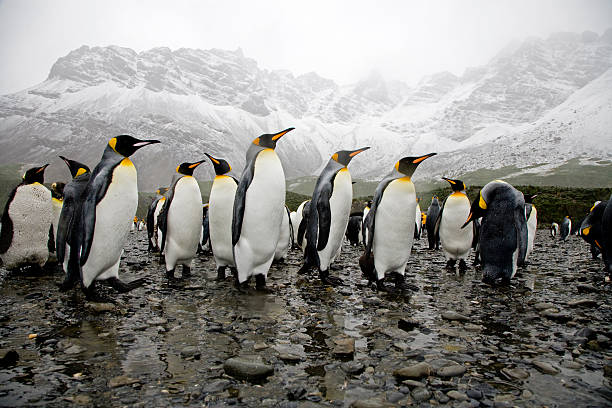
(540, 101)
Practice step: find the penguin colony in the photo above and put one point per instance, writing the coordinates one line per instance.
(83, 225)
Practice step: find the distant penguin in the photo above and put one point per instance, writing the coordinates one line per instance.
(57, 201)
(205, 235)
(606, 238)
(140, 225)
(304, 210)
(566, 228)
(531, 213)
(134, 224)
(329, 214)
(293, 217)
(591, 228)
(554, 230)
(456, 241)
(503, 230)
(296, 222)
(417, 221)
(259, 208)
(390, 225)
(430, 223)
(353, 230)
(69, 223)
(110, 202)
(26, 237)
(220, 212)
(180, 220)
(285, 239)
(364, 229)
(152, 214)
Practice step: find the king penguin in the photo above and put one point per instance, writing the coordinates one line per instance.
(456, 241)
(57, 201)
(220, 211)
(531, 213)
(591, 227)
(606, 239)
(364, 229)
(503, 230)
(328, 216)
(417, 220)
(299, 222)
(554, 230)
(430, 223)
(27, 234)
(180, 220)
(152, 214)
(391, 225)
(259, 206)
(566, 228)
(69, 222)
(110, 202)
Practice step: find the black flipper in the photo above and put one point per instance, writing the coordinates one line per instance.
(6, 235)
(291, 241)
(51, 240)
(324, 213)
(240, 198)
(162, 218)
(520, 224)
(438, 221)
(369, 222)
(151, 221)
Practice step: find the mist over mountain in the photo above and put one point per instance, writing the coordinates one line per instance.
(535, 107)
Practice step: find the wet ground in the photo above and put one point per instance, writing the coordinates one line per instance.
(546, 341)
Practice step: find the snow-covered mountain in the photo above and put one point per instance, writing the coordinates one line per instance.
(537, 104)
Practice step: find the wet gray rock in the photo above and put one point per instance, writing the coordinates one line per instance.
(452, 315)
(421, 394)
(344, 346)
(515, 373)
(582, 303)
(441, 397)
(418, 370)
(216, 386)
(353, 367)
(586, 288)
(474, 394)
(545, 367)
(190, 352)
(586, 333)
(247, 368)
(122, 380)
(457, 396)
(453, 370)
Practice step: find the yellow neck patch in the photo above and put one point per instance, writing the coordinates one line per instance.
(458, 194)
(405, 179)
(481, 203)
(80, 171)
(586, 231)
(126, 162)
(57, 200)
(112, 143)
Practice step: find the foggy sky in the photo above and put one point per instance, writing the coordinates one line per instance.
(341, 40)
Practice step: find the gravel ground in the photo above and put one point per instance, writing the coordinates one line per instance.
(546, 341)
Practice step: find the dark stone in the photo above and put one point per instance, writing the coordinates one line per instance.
(247, 368)
(296, 392)
(408, 324)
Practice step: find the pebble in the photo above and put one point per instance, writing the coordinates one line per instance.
(582, 302)
(451, 371)
(586, 288)
(344, 346)
(414, 371)
(421, 394)
(247, 368)
(545, 367)
(515, 373)
(474, 394)
(456, 395)
(441, 397)
(122, 380)
(190, 352)
(452, 315)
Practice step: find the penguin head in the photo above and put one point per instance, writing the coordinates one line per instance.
(161, 190)
(529, 198)
(344, 157)
(188, 168)
(76, 168)
(126, 145)
(408, 165)
(268, 141)
(57, 190)
(456, 185)
(35, 175)
(221, 166)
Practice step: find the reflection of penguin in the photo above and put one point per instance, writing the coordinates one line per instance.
(220, 212)
(554, 229)
(566, 228)
(69, 223)
(430, 223)
(606, 238)
(152, 214)
(503, 230)
(390, 225)
(353, 230)
(258, 210)
(329, 214)
(110, 202)
(285, 239)
(57, 201)
(456, 241)
(27, 235)
(531, 213)
(591, 227)
(181, 220)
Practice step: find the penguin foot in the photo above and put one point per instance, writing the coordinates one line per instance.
(260, 284)
(170, 275)
(92, 295)
(66, 285)
(162, 259)
(401, 284)
(221, 273)
(241, 287)
(186, 271)
(330, 280)
(304, 269)
(123, 287)
(380, 286)
(462, 265)
(450, 264)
